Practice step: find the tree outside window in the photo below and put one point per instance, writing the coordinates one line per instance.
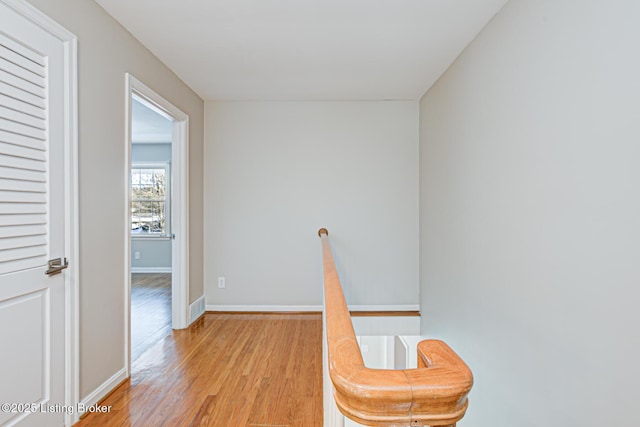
(149, 200)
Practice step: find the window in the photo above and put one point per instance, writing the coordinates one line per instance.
(150, 203)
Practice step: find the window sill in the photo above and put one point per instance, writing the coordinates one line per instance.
(138, 237)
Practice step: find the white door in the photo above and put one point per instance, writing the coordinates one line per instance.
(32, 303)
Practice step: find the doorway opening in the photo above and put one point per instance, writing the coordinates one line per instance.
(151, 146)
(157, 232)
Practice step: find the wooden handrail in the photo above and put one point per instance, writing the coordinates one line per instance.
(434, 394)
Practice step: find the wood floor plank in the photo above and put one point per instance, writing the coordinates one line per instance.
(226, 370)
(150, 310)
(205, 411)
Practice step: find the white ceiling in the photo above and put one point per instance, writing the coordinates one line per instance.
(305, 49)
(147, 125)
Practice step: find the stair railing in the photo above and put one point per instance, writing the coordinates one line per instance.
(434, 394)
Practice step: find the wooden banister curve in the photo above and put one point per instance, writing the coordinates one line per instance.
(434, 394)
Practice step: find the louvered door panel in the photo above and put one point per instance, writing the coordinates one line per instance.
(22, 219)
(22, 230)
(23, 157)
(22, 84)
(23, 152)
(34, 127)
(22, 96)
(21, 117)
(24, 174)
(25, 58)
(22, 129)
(23, 106)
(17, 70)
(21, 140)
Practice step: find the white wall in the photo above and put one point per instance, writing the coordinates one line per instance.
(151, 152)
(530, 215)
(278, 171)
(106, 51)
(154, 255)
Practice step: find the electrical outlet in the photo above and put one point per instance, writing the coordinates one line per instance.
(221, 283)
(136, 255)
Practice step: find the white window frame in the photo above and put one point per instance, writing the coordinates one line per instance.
(167, 202)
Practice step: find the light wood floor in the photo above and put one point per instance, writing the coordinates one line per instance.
(235, 370)
(150, 310)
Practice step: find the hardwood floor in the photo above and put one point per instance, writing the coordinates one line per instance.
(235, 370)
(150, 310)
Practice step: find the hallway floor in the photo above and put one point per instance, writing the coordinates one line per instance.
(226, 370)
(150, 310)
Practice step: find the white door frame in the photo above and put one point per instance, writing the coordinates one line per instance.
(179, 207)
(71, 238)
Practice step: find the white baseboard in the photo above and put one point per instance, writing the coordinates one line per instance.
(151, 269)
(267, 308)
(196, 309)
(105, 388)
(289, 308)
(385, 307)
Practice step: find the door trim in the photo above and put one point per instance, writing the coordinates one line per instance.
(179, 207)
(72, 233)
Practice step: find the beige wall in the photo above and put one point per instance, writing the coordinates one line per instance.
(278, 171)
(106, 53)
(530, 215)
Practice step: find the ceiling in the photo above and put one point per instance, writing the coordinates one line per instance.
(148, 125)
(305, 49)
